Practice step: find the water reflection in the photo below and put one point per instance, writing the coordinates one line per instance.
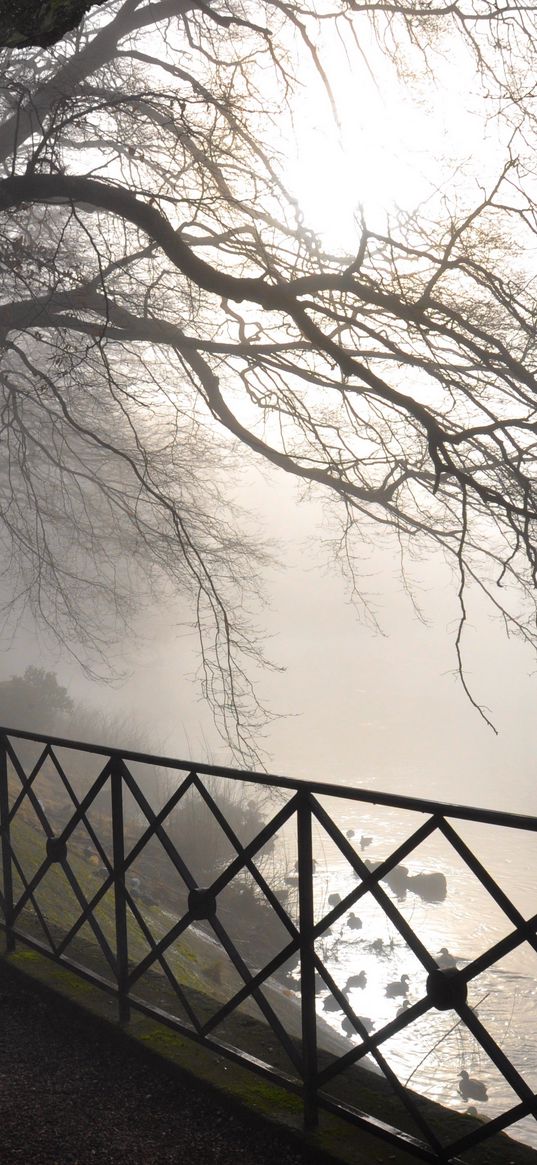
(456, 920)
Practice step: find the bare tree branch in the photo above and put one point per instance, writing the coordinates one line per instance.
(166, 314)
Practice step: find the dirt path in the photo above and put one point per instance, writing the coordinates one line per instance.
(70, 1095)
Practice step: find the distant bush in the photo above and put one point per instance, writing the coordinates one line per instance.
(34, 701)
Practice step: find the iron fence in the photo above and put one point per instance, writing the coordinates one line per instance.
(75, 833)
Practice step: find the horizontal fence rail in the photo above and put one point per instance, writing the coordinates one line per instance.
(198, 894)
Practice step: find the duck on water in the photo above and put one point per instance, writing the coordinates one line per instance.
(471, 1089)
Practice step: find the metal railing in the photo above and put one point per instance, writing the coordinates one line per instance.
(298, 809)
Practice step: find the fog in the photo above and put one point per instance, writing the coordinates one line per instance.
(382, 709)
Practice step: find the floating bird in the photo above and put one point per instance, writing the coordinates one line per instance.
(430, 887)
(377, 945)
(445, 960)
(472, 1089)
(398, 987)
(358, 980)
(349, 1028)
(398, 880)
(404, 1007)
(331, 1004)
(334, 899)
(354, 922)
(365, 841)
(349, 833)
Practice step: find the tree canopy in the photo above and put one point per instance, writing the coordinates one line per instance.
(26, 23)
(34, 700)
(166, 307)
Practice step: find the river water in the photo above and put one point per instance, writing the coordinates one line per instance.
(363, 943)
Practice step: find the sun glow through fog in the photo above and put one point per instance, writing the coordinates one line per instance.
(396, 146)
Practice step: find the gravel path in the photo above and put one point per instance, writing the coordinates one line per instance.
(70, 1094)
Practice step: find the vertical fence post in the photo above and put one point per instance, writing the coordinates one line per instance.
(307, 963)
(5, 842)
(118, 852)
